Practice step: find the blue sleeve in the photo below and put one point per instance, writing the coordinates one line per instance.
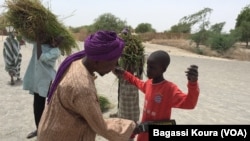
(50, 56)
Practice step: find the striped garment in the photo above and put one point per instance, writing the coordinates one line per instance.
(12, 56)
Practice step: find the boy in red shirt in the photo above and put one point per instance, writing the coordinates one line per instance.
(162, 95)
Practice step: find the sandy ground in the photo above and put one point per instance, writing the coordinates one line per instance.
(224, 97)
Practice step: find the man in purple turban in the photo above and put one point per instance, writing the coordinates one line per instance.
(73, 111)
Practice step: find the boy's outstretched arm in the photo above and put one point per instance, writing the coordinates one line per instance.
(189, 100)
(121, 73)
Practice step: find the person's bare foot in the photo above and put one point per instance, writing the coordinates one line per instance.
(11, 73)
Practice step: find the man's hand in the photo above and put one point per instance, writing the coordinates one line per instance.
(192, 73)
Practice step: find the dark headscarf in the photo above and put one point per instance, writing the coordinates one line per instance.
(103, 45)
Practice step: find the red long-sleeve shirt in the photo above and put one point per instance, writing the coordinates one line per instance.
(160, 98)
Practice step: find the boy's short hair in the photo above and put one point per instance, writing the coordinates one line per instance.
(162, 58)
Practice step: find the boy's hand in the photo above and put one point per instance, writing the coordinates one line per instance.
(118, 71)
(192, 73)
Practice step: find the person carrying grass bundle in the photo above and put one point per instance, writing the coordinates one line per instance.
(40, 72)
(161, 95)
(132, 61)
(38, 25)
(73, 111)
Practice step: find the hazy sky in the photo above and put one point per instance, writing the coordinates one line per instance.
(161, 14)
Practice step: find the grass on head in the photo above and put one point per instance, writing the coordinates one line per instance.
(37, 23)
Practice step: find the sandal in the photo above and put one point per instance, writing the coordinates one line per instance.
(32, 134)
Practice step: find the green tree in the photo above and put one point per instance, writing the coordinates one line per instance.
(217, 28)
(243, 24)
(144, 27)
(107, 21)
(245, 32)
(221, 42)
(200, 37)
(201, 19)
(181, 28)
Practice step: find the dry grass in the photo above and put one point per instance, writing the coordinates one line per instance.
(239, 52)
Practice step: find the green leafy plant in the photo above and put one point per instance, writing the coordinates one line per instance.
(222, 42)
(133, 56)
(104, 103)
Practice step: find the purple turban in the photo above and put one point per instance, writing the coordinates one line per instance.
(103, 45)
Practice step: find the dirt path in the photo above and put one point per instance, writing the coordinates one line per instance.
(224, 98)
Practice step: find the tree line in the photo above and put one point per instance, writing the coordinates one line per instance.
(197, 25)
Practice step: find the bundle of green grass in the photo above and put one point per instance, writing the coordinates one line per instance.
(133, 56)
(104, 103)
(37, 23)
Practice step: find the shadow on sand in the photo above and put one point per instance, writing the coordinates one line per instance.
(16, 83)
